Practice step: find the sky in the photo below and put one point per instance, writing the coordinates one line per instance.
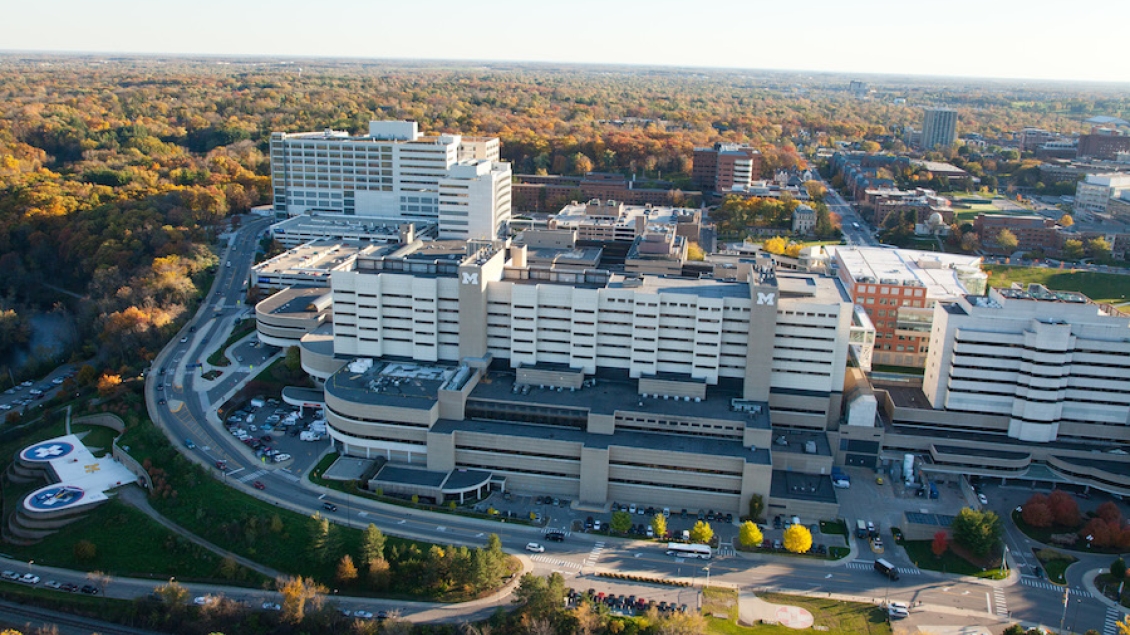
(960, 38)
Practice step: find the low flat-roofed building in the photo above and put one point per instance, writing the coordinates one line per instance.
(309, 264)
(299, 230)
(284, 318)
(657, 253)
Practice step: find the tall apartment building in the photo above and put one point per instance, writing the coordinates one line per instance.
(585, 383)
(898, 289)
(724, 165)
(939, 128)
(1034, 364)
(395, 173)
(1094, 192)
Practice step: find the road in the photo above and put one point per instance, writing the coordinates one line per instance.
(185, 415)
(856, 231)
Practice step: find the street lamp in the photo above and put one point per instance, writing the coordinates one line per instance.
(29, 563)
(707, 570)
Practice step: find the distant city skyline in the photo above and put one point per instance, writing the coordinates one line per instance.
(967, 39)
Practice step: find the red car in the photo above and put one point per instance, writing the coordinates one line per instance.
(259, 485)
(222, 465)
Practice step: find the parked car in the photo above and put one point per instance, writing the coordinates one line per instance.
(29, 578)
(271, 606)
(984, 500)
(51, 584)
(89, 589)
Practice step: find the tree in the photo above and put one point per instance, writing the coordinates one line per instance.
(293, 359)
(756, 506)
(701, 533)
(798, 539)
(1064, 508)
(541, 596)
(296, 592)
(816, 190)
(1109, 512)
(659, 525)
(1118, 571)
(172, 594)
(1037, 514)
(1066, 220)
(621, 522)
(750, 535)
(380, 573)
(940, 544)
(1007, 240)
(977, 531)
(100, 580)
(1124, 626)
(1099, 248)
(372, 544)
(1072, 249)
(346, 570)
(695, 252)
(325, 540)
(108, 384)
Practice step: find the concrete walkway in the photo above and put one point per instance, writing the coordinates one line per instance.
(135, 497)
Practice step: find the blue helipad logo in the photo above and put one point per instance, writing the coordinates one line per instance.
(56, 497)
(47, 451)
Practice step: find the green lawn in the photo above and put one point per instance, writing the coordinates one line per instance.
(1100, 287)
(129, 543)
(923, 557)
(98, 439)
(241, 330)
(831, 616)
(833, 527)
(1055, 564)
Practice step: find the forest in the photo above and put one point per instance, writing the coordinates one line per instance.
(116, 174)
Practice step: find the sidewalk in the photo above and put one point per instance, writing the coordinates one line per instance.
(1089, 584)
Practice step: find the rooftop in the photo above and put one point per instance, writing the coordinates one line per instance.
(295, 301)
(805, 487)
(399, 384)
(610, 395)
(316, 258)
(936, 272)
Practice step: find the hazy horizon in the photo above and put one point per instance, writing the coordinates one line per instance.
(1003, 40)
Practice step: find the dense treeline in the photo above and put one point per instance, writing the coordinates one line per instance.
(114, 172)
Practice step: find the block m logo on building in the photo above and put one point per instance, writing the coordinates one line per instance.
(470, 277)
(763, 298)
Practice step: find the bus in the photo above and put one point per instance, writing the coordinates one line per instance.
(680, 550)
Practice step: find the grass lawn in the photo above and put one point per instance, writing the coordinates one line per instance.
(831, 616)
(1055, 564)
(128, 543)
(923, 557)
(833, 527)
(246, 525)
(98, 439)
(1101, 287)
(241, 330)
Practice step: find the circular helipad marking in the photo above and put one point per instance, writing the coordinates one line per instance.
(54, 497)
(794, 617)
(48, 451)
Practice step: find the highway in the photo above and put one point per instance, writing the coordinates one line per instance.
(185, 415)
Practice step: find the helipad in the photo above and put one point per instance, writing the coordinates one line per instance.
(82, 479)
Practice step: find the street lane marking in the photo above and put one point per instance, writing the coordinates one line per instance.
(555, 561)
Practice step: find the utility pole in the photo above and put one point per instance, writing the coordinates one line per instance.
(1063, 619)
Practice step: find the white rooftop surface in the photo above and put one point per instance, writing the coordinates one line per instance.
(939, 277)
(76, 467)
(317, 256)
(573, 215)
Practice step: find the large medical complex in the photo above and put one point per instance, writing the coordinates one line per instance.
(552, 363)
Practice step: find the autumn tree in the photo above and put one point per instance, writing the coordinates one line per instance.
(1066, 220)
(940, 544)
(1072, 249)
(1099, 249)
(1038, 515)
(1064, 508)
(296, 593)
(172, 594)
(108, 385)
(798, 539)
(346, 570)
(701, 533)
(659, 525)
(85, 551)
(1007, 240)
(750, 535)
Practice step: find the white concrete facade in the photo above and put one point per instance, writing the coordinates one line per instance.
(391, 173)
(1093, 193)
(1057, 366)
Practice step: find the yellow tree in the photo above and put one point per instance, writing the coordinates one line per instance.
(346, 570)
(751, 535)
(1066, 220)
(1124, 626)
(659, 525)
(296, 592)
(798, 539)
(701, 533)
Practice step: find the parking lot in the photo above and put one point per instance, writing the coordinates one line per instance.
(278, 433)
(30, 394)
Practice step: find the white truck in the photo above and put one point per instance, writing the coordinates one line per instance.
(309, 435)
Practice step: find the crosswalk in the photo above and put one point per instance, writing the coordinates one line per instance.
(1110, 624)
(1044, 584)
(1000, 603)
(288, 476)
(594, 554)
(247, 478)
(867, 565)
(557, 562)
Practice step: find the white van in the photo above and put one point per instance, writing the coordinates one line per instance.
(307, 435)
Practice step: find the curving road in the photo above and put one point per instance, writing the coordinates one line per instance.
(189, 413)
